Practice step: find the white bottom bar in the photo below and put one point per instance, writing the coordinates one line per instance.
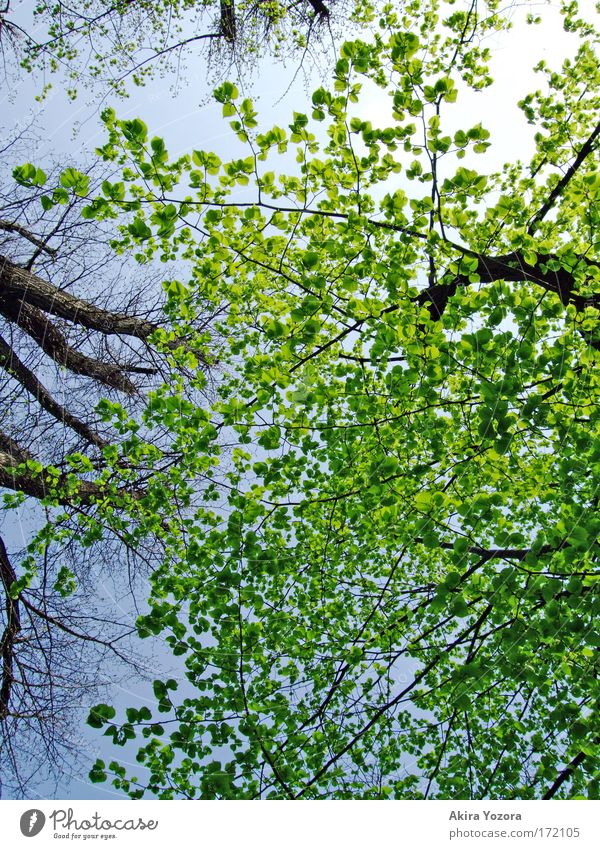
(290, 825)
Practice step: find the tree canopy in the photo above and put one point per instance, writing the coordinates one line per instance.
(114, 45)
(381, 535)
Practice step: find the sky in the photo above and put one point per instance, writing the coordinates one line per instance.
(186, 120)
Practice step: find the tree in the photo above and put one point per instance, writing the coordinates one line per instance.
(61, 649)
(77, 323)
(389, 589)
(120, 42)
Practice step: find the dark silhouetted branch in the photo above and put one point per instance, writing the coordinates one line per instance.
(11, 631)
(584, 152)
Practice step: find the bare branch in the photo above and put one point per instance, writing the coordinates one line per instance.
(17, 369)
(14, 227)
(54, 344)
(13, 626)
(23, 284)
(52, 620)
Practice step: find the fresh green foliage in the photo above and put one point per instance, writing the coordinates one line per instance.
(119, 44)
(390, 585)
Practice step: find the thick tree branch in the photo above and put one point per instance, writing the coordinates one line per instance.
(227, 23)
(17, 369)
(319, 8)
(11, 448)
(54, 344)
(65, 489)
(584, 152)
(11, 631)
(38, 486)
(502, 553)
(23, 284)
(436, 298)
(512, 268)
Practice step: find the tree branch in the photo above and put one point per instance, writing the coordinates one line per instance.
(584, 152)
(227, 23)
(21, 283)
(37, 325)
(502, 553)
(319, 8)
(13, 626)
(17, 369)
(64, 488)
(52, 620)
(11, 448)
(13, 227)
(564, 775)
(512, 268)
